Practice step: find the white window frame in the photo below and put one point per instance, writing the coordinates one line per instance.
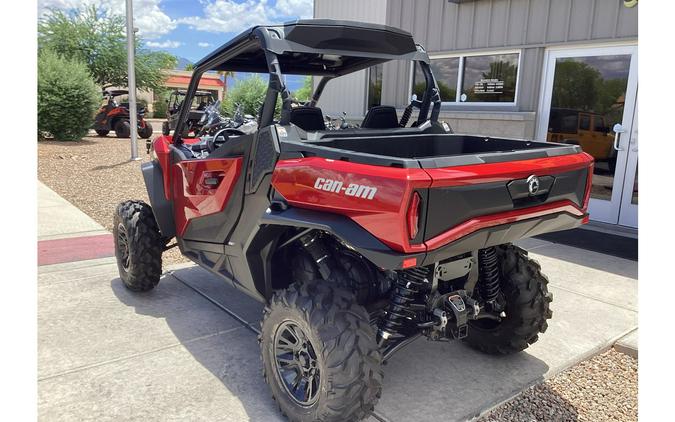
(460, 77)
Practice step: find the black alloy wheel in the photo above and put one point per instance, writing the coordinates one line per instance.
(123, 246)
(296, 363)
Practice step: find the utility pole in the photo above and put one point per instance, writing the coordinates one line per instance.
(133, 116)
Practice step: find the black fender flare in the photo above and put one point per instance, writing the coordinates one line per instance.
(347, 231)
(162, 208)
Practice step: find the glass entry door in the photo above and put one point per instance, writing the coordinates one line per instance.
(589, 99)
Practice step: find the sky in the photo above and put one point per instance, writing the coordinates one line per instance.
(193, 28)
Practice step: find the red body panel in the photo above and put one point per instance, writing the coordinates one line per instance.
(510, 170)
(384, 215)
(202, 187)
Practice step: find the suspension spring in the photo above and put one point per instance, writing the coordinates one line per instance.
(488, 266)
(401, 314)
(406, 116)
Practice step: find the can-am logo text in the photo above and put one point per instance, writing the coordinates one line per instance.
(353, 189)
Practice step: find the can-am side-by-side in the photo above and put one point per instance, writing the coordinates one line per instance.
(114, 116)
(358, 240)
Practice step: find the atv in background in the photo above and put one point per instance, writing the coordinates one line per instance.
(115, 116)
(200, 102)
(359, 240)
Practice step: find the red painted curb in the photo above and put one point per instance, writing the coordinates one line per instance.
(72, 249)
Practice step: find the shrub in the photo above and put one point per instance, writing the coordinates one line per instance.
(67, 97)
(250, 93)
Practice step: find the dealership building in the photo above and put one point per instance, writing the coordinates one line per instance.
(556, 70)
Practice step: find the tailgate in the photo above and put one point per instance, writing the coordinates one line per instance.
(467, 198)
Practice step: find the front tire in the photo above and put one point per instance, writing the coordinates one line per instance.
(138, 246)
(145, 132)
(527, 306)
(101, 132)
(165, 128)
(319, 354)
(122, 129)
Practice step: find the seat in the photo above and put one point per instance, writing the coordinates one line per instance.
(307, 118)
(380, 117)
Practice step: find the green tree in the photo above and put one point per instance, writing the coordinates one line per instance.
(189, 67)
(250, 94)
(305, 91)
(97, 38)
(576, 85)
(67, 97)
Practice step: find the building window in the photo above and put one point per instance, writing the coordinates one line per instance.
(446, 72)
(488, 78)
(375, 86)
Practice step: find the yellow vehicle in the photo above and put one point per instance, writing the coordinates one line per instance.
(584, 128)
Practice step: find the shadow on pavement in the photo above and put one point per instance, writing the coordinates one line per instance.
(233, 359)
(424, 380)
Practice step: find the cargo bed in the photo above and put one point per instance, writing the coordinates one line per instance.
(424, 150)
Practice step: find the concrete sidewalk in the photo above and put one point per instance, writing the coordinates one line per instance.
(177, 353)
(58, 218)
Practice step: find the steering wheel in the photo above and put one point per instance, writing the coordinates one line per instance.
(224, 134)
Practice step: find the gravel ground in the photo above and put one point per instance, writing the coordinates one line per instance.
(603, 388)
(95, 174)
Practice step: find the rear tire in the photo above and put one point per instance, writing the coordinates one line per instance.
(335, 337)
(122, 129)
(138, 246)
(102, 132)
(527, 307)
(145, 132)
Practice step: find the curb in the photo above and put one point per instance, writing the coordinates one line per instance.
(628, 344)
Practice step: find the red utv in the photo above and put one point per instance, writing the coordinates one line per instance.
(114, 116)
(358, 241)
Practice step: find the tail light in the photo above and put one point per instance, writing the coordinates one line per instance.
(413, 215)
(589, 186)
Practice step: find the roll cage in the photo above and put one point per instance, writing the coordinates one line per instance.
(316, 47)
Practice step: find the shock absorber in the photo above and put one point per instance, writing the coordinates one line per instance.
(321, 256)
(488, 267)
(401, 312)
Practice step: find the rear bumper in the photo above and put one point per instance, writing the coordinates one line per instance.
(503, 218)
(500, 230)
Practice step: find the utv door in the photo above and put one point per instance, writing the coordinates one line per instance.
(208, 193)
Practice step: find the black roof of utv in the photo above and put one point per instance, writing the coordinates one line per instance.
(115, 92)
(314, 47)
(317, 47)
(196, 94)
